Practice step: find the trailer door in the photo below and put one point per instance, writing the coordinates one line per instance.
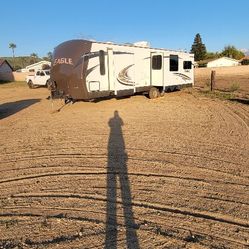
(111, 78)
(156, 69)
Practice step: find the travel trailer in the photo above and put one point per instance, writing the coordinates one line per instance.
(83, 70)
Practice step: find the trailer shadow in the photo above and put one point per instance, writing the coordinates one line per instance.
(10, 108)
(240, 100)
(117, 170)
(97, 100)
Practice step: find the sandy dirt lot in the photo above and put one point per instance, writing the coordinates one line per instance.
(227, 78)
(130, 173)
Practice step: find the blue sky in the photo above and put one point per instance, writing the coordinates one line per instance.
(39, 26)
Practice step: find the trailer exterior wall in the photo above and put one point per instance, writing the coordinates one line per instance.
(84, 69)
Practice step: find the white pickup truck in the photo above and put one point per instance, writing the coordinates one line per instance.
(41, 78)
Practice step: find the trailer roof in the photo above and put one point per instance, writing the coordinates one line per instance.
(135, 46)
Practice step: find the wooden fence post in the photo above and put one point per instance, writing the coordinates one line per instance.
(213, 74)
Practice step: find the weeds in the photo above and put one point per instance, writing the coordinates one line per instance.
(234, 87)
(216, 94)
(13, 84)
(207, 83)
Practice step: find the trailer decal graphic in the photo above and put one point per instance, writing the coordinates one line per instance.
(124, 78)
(94, 54)
(91, 69)
(183, 76)
(86, 57)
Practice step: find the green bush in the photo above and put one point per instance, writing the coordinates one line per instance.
(245, 62)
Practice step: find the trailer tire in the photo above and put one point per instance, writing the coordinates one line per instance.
(153, 93)
(30, 84)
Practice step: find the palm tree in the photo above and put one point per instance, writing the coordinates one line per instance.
(50, 56)
(12, 46)
(33, 58)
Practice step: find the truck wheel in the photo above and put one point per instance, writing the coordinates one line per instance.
(153, 93)
(30, 84)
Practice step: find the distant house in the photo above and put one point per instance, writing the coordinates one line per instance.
(5, 67)
(36, 66)
(6, 71)
(223, 62)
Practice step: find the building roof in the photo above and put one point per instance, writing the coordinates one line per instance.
(224, 57)
(2, 62)
(245, 58)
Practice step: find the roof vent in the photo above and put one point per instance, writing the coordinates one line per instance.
(144, 44)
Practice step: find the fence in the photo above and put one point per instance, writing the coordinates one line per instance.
(226, 78)
(14, 76)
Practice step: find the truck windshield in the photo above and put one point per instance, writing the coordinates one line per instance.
(47, 72)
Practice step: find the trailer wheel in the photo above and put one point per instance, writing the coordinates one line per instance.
(153, 93)
(30, 84)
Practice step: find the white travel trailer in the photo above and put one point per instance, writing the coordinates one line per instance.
(85, 70)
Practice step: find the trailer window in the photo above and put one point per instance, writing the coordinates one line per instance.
(187, 64)
(102, 62)
(156, 62)
(173, 65)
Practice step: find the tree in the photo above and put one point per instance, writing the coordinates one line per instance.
(48, 57)
(12, 46)
(33, 58)
(212, 55)
(198, 48)
(232, 52)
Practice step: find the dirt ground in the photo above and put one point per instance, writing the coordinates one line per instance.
(227, 78)
(130, 173)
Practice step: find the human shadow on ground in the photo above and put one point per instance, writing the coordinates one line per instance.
(117, 171)
(10, 108)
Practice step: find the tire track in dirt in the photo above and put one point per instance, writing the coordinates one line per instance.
(239, 115)
(242, 114)
(226, 200)
(54, 146)
(79, 173)
(142, 225)
(57, 156)
(167, 229)
(184, 211)
(76, 145)
(65, 238)
(104, 156)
